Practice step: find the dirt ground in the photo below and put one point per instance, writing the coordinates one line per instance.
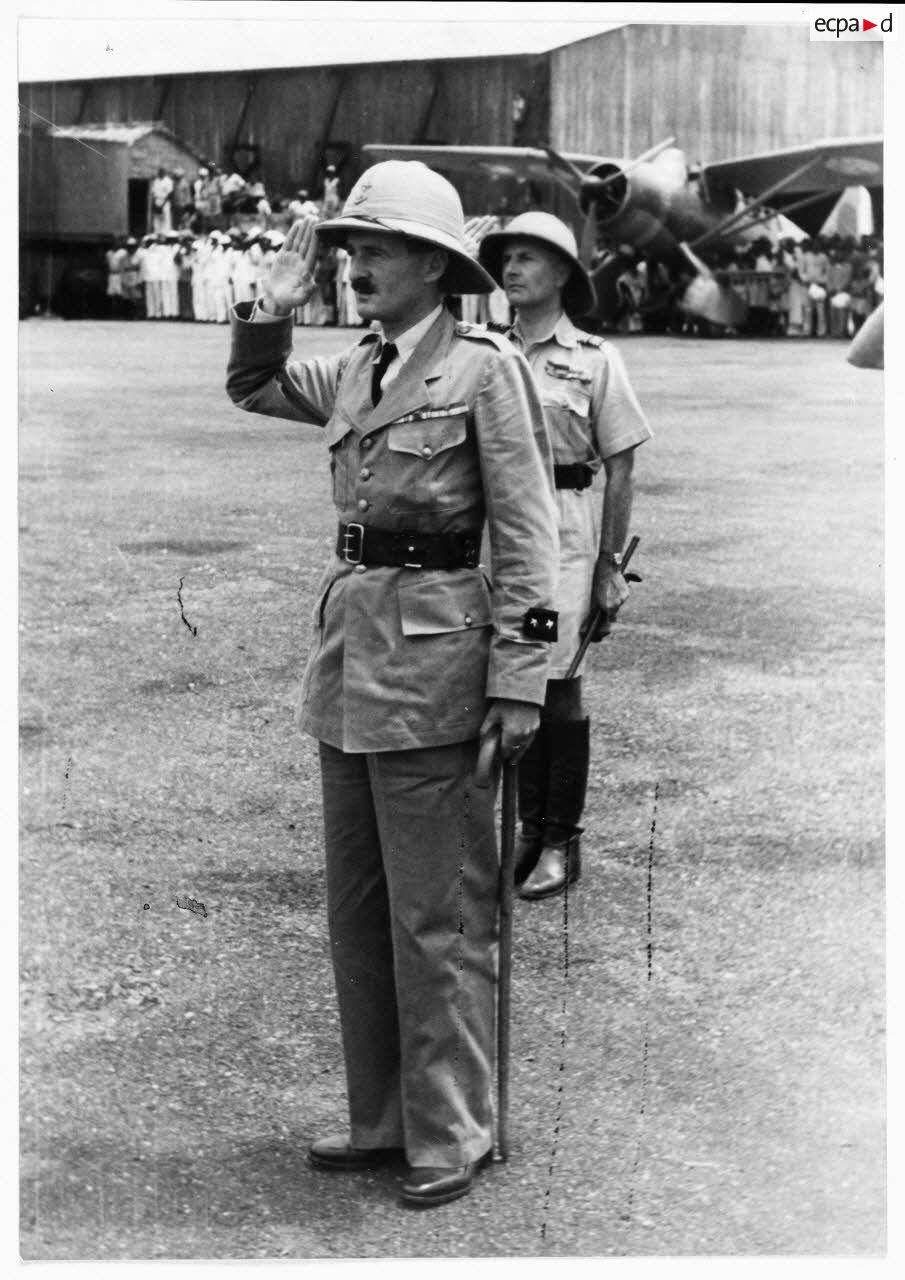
(705, 1077)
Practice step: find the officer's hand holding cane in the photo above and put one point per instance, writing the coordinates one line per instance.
(609, 593)
(291, 280)
(518, 722)
(597, 624)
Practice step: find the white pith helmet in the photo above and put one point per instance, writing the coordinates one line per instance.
(407, 197)
(578, 297)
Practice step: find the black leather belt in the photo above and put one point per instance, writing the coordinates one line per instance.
(573, 475)
(362, 544)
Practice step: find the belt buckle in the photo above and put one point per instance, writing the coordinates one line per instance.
(351, 532)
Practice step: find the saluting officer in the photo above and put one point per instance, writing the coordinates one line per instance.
(433, 428)
(593, 418)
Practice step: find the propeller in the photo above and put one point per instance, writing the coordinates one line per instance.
(710, 298)
(705, 296)
(591, 187)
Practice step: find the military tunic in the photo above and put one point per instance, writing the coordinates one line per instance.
(406, 657)
(401, 665)
(592, 413)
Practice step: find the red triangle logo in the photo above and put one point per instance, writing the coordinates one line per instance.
(867, 26)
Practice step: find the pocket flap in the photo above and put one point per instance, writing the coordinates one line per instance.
(573, 396)
(438, 603)
(426, 436)
(335, 430)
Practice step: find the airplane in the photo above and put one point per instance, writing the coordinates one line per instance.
(668, 210)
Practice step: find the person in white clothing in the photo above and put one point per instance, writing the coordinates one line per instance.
(160, 197)
(200, 255)
(243, 273)
(210, 306)
(169, 276)
(302, 205)
(150, 277)
(259, 269)
(220, 274)
(116, 261)
(346, 310)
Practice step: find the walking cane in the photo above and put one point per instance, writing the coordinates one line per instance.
(597, 616)
(483, 777)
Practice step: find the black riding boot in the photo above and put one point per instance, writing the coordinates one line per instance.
(533, 768)
(559, 860)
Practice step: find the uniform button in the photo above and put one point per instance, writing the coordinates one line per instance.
(468, 619)
(360, 568)
(367, 442)
(363, 504)
(365, 473)
(427, 452)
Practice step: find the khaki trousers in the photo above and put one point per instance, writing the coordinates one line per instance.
(412, 888)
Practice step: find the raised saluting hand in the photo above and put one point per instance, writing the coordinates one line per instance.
(291, 280)
(475, 231)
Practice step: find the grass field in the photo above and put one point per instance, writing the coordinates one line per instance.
(707, 1077)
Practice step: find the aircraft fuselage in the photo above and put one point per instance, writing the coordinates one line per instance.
(654, 205)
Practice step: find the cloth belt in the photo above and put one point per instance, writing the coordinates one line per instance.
(573, 475)
(362, 544)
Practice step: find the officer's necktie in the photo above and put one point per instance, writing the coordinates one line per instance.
(388, 354)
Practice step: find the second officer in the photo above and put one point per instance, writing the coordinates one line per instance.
(594, 419)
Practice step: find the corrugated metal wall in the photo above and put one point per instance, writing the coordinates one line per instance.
(722, 91)
(290, 114)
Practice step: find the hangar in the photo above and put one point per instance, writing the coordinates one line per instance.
(721, 90)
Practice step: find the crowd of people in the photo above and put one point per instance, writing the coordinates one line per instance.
(210, 242)
(825, 286)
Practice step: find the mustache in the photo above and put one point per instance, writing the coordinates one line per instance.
(362, 286)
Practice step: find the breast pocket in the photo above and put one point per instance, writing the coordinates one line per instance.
(432, 464)
(567, 409)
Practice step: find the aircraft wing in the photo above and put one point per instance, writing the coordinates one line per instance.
(497, 162)
(818, 166)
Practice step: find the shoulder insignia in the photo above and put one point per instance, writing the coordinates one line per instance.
(480, 334)
(590, 339)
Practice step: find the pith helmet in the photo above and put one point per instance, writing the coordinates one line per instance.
(406, 197)
(578, 297)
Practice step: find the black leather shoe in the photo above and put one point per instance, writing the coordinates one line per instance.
(426, 1187)
(556, 865)
(527, 852)
(339, 1154)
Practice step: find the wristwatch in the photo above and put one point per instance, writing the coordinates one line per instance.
(611, 558)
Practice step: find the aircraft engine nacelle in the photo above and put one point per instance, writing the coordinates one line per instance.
(649, 205)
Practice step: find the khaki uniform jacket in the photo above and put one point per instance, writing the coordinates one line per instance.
(405, 657)
(592, 413)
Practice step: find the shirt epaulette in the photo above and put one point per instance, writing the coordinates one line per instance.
(589, 339)
(478, 332)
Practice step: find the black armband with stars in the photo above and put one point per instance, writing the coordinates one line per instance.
(541, 624)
